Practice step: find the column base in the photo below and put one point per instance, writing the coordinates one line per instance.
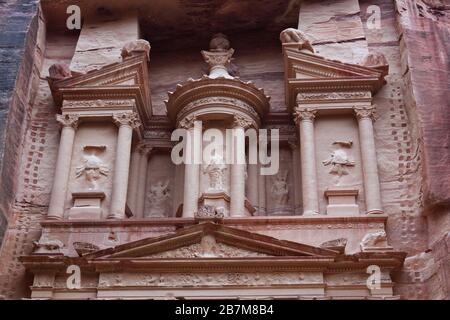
(310, 213)
(375, 211)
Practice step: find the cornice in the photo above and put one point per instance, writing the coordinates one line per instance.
(206, 87)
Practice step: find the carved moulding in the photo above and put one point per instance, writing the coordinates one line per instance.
(219, 96)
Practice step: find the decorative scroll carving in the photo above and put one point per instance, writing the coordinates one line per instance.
(304, 114)
(336, 244)
(93, 167)
(219, 56)
(127, 119)
(159, 196)
(208, 211)
(332, 95)
(98, 103)
(135, 46)
(187, 122)
(339, 159)
(48, 246)
(83, 248)
(365, 112)
(241, 122)
(280, 189)
(207, 248)
(215, 169)
(219, 100)
(291, 35)
(68, 120)
(211, 279)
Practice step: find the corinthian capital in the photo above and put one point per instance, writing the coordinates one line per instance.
(241, 122)
(187, 122)
(144, 149)
(365, 112)
(304, 114)
(68, 120)
(127, 119)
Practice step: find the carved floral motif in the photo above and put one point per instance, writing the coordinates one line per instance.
(127, 118)
(332, 95)
(365, 112)
(241, 122)
(187, 122)
(68, 120)
(304, 114)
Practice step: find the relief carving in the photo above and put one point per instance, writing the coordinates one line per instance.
(83, 248)
(307, 114)
(48, 246)
(93, 167)
(68, 120)
(135, 46)
(291, 35)
(159, 196)
(280, 189)
(374, 240)
(241, 122)
(208, 211)
(127, 118)
(210, 279)
(187, 122)
(339, 160)
(215, 169)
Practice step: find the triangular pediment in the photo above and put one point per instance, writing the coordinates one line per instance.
(127, 79)
(307, 72)
(210, 240)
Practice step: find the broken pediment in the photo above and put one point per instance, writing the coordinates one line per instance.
(123, 81)
(307, 73)
(210, 240)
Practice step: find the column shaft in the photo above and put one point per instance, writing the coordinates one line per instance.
(141, 191)
(192, 172)
(252, 187)
(62, 170)
(308, 157)
(134, 179)
(295, 172)
(126, 121)
(261, 193)
(369, 160)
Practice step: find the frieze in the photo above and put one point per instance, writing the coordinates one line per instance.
(98, 103)
(218, 100)
(332, 95)
(207, 279)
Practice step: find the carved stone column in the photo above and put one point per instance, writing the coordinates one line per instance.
(134, 179)
(261, 193)
(365, 117)
(252, 187)
(304, 118)
(193, 158)
(69, 124)
(126, 121)
(237, 186)
(145, 151)
(296, 168)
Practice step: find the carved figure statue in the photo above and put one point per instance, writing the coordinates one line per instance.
(159, 194)
(374, 239)
(280, 189)
(92, 169)
(215, 170)
(292, 35)
(339, 159)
